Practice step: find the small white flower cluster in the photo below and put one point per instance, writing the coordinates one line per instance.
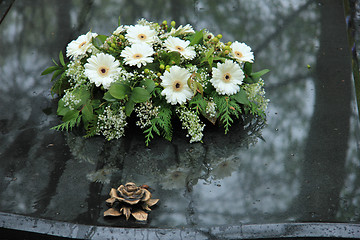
(70, 100)
(211, 109)
(111, 124)
(145, 112)
(191, 122)
(256, 93)
(75, 72)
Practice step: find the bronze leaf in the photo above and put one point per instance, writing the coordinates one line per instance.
(112, 212)
(140, 215)
(126, 211)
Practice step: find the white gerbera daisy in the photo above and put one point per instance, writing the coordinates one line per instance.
(175, 44)
(118, 30)
(102, 69)
(79, 46)
(241, 52)
(176, 89)
(227, 77)
(182, 30)
(141, 34)
(138, 54)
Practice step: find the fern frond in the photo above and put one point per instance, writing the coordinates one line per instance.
(92, 129)
(226, 109)
(161, 125)
(198, 104)
(65, 126)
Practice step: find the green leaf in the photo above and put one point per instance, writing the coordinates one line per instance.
(72, 114)
(50, 70)
(149, 84)
(119, 90)
(209, 52)
(61, 58)
(241, 97)
(62, 110)
(248, 68)
(83, 94)
(99, 40)
(139, 95)
(87, 113)
(217, 58)
(56, 74)
(56, 64)
(208, 56)
(108, 97)
(256, 76)
(197, 37)
(174, 56)
(129, 107)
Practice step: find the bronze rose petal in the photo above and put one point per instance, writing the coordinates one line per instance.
(152, 202)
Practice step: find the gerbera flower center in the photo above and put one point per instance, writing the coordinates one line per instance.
(177, 86)
(82, 44)
(238, 54)
(227, 77)
(142, 36)
(180, 49)
(103, 71)
(137, 55)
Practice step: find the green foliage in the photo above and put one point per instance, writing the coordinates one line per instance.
(195, 85)
(87, 112)
(227, 110)
(241, 97)
(256, 76)
(161, 125)
(135, 95)
(251, 77)
(99, 40)
(92, 129)
(59, 78)
(148, 84)
(196, 38)
(69, 124)
(119, 90)
(198, 104)
(61, 58)
(139, 95)
(60, 84)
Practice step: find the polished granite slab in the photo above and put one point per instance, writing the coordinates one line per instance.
(301, 166)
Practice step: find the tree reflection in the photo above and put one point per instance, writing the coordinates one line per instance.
(323, 166)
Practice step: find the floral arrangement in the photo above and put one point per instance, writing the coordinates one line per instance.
(153, 74)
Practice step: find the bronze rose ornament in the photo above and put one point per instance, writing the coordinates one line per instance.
(128, 200)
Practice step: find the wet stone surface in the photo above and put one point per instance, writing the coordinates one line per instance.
(302, 165)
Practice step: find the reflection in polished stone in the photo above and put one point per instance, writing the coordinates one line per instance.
(225, 181)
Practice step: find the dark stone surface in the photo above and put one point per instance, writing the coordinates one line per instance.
(295, 176)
